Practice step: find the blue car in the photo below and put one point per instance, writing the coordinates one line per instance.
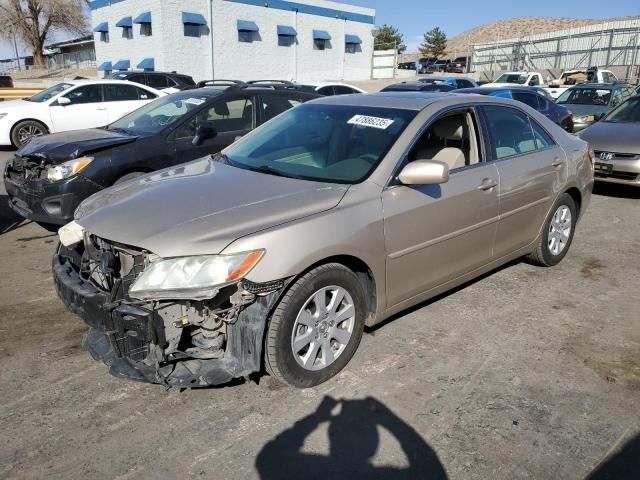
(557, 113)
(455, 82)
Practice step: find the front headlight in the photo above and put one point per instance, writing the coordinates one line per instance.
(66, 169)
(193, 278)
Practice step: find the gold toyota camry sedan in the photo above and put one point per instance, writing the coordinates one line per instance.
(276, 252)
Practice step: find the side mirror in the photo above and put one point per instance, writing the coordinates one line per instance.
(206, 130)
(62, 101)
(424, 172)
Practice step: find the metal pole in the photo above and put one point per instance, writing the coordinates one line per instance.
(15, 48)
(213, 71)
(395, 57)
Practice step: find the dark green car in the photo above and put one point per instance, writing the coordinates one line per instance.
(590, 101)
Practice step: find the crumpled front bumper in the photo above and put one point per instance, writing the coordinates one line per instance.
(123, 334)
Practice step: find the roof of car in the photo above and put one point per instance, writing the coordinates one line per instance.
(488, 90)
(410, 100)
(600, 85)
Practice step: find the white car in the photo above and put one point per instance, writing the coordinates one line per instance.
(71, 105)
(328, 88)
(532, 79)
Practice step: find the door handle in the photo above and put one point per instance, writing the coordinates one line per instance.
(101, 108)
(556, 162)
(487, 184)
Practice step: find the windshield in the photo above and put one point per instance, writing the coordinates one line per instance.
(157, 115)
(585, 96)
(628, 112)
(49, 93)
(326, 143)
(512, 78)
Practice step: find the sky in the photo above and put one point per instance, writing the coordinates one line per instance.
(414, 17)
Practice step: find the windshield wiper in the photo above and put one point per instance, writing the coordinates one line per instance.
(119, 130)
(269, 171)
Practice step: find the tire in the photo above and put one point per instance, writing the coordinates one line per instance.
(554, 242)
(21, 131)
(128, 176)
(298, 310)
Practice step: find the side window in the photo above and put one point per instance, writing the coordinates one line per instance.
(535, 80)
(528, 98)
(157, 81)
(502, 94)
(617, 98)
(137, 78)
(342, 90)
(120, 93)
(509, 131)
(543, 139)
(451, 139)
(273, 105)
(325, 91)
(85, 94)
(232, 115)
(144, 94)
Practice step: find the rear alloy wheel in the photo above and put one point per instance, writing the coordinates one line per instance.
(24, 131)
(317, 326)
(557, 233)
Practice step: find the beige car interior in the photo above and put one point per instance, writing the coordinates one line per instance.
(451, 139)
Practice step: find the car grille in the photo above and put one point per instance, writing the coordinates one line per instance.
(20, 169)
(616, 155)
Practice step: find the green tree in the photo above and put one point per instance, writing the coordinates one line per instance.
(435, 42)
(388, 38)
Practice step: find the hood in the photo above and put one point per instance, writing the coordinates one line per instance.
(11, 104)
(613, 137)
(201, 207)
(582, 110)
(59, 147)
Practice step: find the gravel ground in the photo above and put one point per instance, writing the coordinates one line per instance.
(525, 373)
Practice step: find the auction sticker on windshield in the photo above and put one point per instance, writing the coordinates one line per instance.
(194, 101)
(375, 122)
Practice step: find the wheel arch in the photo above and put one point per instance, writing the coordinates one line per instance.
(364, 274)
(30, 119)
(575, 194)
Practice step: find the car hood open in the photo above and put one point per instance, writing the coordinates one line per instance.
(613, 137)
(59, 147)
(201, 207)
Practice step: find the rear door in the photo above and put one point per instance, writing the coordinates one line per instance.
(531, 166)
(86, 110)
(232, 118)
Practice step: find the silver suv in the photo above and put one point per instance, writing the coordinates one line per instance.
(334, 215)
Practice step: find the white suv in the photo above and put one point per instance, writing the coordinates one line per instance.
(71, 105)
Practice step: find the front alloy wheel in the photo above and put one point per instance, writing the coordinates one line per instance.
(317, 326)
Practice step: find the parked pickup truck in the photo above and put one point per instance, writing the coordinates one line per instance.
(574, 77)
(531, 79)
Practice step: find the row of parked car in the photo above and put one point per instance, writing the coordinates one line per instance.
(272, 250)
(436, 65)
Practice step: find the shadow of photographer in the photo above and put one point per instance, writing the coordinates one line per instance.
(354, 440)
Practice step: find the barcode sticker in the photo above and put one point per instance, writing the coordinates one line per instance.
(374, 122)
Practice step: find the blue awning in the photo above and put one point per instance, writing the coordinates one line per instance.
(352, 39)
(143, 18)
(246, 26)
(286, 31)
(103, 27)
(321, 35)
(125, 22)
(193, 18)
(147, 63)
(105, 67)
(122, 65)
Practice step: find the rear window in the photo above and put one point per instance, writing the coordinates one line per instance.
(586, 96)
(6, 81)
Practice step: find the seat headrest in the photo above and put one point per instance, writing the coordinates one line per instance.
(449, 128)
(221, 109)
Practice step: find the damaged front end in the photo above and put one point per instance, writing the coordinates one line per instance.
(182, 343)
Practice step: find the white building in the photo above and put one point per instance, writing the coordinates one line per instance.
(300, 40)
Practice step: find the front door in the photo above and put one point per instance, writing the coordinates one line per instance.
(436, 233)
(232, 118)
(531, 167)
(86, 110)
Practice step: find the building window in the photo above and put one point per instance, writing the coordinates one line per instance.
(145, 29)
(104, 37)
(285, 40)
(191, 30)
(127, 32)
(245, 36)
(319, 44)
(351, 47)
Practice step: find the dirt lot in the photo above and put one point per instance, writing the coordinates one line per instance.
(526, 373)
